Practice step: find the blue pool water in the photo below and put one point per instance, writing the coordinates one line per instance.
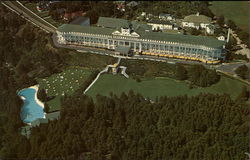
(30, 110)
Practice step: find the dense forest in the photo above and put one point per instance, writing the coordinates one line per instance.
(26, 50)
(178, 8)
(24, 53)
(95, 9)
(131, 127)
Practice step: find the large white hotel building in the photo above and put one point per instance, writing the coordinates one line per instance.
(111, 33)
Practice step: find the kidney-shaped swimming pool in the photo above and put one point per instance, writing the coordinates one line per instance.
(31, 110)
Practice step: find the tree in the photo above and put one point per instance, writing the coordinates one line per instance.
(221, 20)
(201, 76)
(54, 14)
(231, 24)
(46, 108)
(218, 31)
(244, 36)
(204, 9)
(242, 71)
(195, 31)
(3, 24)
(244, 94)
(230, 46)
(137, 79)
(181, 72)
(42, 95)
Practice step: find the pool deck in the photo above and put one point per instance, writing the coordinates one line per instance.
(37, 100)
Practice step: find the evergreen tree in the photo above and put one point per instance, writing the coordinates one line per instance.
(221, 20)
(181, 72)
(242, 71)
(41, 95)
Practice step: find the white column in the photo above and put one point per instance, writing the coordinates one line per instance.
(185, 51)
(203, 54)
(179, 51)
(196, 52)
(213, 56)
(206, 54)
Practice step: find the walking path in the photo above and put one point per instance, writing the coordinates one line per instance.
(124, 71)
(93, 82)
(103, 71)
(244, 50)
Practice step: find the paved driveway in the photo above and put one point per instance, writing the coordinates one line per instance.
(229, 68)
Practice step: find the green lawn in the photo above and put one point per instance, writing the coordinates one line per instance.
(160, 87)
(66, 82)
(90, 60)
(238, 11)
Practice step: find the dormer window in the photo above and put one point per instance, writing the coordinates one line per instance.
(125, 31)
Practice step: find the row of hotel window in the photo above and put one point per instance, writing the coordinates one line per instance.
(144, 46)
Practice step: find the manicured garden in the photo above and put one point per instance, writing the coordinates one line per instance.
(160, 87)
(66, 82)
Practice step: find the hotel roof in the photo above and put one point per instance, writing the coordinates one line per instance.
(180, 38)
(140, 26)
(187, 39)
(85, 29)
(112, 22)
(81, 21)
(156, 21)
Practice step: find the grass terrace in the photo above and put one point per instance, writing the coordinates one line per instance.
(90, 60)
(66, 82)
(160, 86)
